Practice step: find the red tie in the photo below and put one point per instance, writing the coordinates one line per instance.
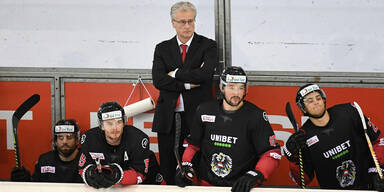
(183, 55)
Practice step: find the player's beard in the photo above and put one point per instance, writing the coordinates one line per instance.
(233, 104)
(66, 152)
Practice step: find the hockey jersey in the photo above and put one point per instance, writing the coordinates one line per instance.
(231, 143)
(338, 153)
(50, 168)
(132, 153)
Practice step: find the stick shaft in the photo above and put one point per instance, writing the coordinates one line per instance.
(373, 154)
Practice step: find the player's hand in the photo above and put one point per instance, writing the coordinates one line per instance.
(92, 176)
(295, 142)
(20, 174)
(112, 174)
(246, 182)
(378, 184)
(184, 175)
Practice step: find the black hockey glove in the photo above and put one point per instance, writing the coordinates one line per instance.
(185, 179)
(246, 182)
(295, 142)
(20, 174)
(378, 184)
(92, 177)
(112, 174)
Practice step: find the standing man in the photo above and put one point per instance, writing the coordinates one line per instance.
(60, 164)
(182, 71)
(333, 144)
(237, 144)
(114, 153)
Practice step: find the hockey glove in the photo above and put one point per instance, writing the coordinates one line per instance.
(112, 174)
(377, 182)
(184, 175)
(295, 142)
(246, 182)
(20, 174)
(92, 177)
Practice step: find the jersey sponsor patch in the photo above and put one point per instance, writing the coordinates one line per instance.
(338, 151)
(111, 115)
(221, 164)
(64, 128)
(97, 155)
(208, 118)
(82, 160)
(312, 140)
(265, 116)
(47, 169)
(144, 143)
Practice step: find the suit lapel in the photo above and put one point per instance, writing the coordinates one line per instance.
(195, 44)
(175, 51)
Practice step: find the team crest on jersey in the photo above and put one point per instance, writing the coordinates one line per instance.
(47, 169)
(346, 173)
(208, 118)
(144, 143)
(312, 140)
(265, 116)
(83, 139)
(97, 155)
(221, 164)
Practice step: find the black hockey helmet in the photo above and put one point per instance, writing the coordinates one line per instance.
(110, 110)
(304, 91)
(233, 74)
(66, 126)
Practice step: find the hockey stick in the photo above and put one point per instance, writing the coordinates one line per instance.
(292, 119)
(368, 140)
(176, 149)
(17, 115)
(177, 140)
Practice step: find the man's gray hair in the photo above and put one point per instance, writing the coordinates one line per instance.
(182, 6)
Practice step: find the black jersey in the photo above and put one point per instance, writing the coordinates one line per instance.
(132, 152)
(50, 168)
(231, 143)
(338, 152)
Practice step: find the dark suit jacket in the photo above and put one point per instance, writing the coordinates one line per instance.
(167, 58)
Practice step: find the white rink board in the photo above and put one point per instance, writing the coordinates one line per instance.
(66, 187)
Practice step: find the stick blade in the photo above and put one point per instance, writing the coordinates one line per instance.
(24, 108)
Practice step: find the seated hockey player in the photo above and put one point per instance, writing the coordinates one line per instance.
(60, 164)
(236, 143)
(115, 153)
(333, 144)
